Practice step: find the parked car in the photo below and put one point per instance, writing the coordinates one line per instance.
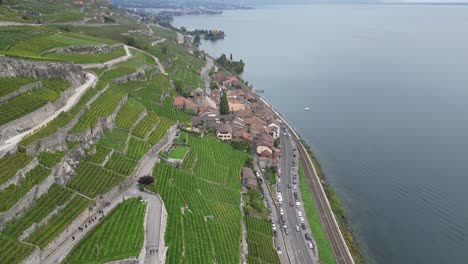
(298, 228)
(295, 194)
(311, 246)
(294, 181)
(281, 211)
(295, 187)
(298, 204)
(299, 213)
(283, 219)
(286, 231)
(307, 237)
(275, 233)
(279, 180)
(289, 185)
(302, 220)
(303, 226)
(273, 226)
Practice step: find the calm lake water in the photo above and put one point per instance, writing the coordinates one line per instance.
(387, 88)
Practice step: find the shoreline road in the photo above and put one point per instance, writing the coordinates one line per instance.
(339, 247)
(299, 246)
(205, 73)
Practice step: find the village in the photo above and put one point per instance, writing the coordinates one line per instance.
(249, 123)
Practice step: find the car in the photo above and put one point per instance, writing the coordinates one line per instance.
(298, 204)
(286, 231)
(289, 185)
(294, 181)
(258, 174)
(275, 233)
(307, 236)
(284, 134)
(295, 187)
(303, 226)
(295, 194)
(279, 250)
(273, 226)
(302, 220)
(283, 219)
(311, 246)
(299, 213)
(279, 180)
(298, 228)
(285, 226)
(281, 211)
(291, 203)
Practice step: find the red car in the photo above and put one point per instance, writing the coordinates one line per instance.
(291, 203)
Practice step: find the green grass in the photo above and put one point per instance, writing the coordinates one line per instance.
(10, 85)
(129, 114)
(120, 164)
(56, 224)
(119, 236)
(323, 244)
(104, 106)
(13, 193)
(26, 103)
(14, 34)
(50, 159)
(11, 164)
(178, 152)
(260, 243)
(91, 179)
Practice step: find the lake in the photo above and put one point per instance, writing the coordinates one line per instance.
(387, 88)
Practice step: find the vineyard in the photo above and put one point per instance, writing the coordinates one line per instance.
(26, 103)
(99, 156)
(119, 236)
(137, 148)
(92, 179)
(13, 193)
(129, 114)
(186, 68)
(146, 125)
(102, 107)
(9, 85)
(120, 164)
(259, 239)
(50, 159)
(206, 195)
(57, 223)
(11, 164)
(114, 139)
(15, 34)
(161, 130)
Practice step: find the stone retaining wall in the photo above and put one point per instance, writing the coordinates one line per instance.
(86, 49)
(20, 174)
(22, 89)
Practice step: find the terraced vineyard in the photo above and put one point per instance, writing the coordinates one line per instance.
(129, 114)
(119, 236)
(259, 239)
(57, 223)
(13, 193)
(161, 130)
(114, 139)
(9, 85)
(137, 148)
(146, 125)
(11, 164)
(102, 107)
(92, 179)
(100, 155)
(50, 159)
(14, 34)
(206, 195)
(120, 164)
(26, 103)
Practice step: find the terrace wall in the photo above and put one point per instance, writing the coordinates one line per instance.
(58, 140)
(20, 174)
(22, 89)
(33, 119)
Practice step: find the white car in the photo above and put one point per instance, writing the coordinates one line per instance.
(279, 180)
(281, 211)
(302, 220)
(298, 228)
(273, 226)
(298, 204)
(311, 246)
(299, 213)
(294, 187)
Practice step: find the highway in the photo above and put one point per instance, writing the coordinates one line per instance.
(298, 245)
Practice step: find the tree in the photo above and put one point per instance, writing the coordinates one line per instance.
(164, 49)
(129, 41)
(224, 104)
(146, 180)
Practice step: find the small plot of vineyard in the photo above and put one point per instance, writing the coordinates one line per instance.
(119, 236)
(129, 114)
(50, 159)
(92, 179)
(10, 85)
(11, 164)
(137, 148)
(146, 125)
(209, 227)
(259, 236)
(28, 102)
(120, 164)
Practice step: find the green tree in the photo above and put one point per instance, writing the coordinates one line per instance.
(224, 105)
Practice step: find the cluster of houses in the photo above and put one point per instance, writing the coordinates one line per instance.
(249, 121)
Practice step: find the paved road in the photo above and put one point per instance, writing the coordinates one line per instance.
(205, 73)
(274, 214)
(109, 63)
(79, 91)
(299, 246)
(339, 247)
